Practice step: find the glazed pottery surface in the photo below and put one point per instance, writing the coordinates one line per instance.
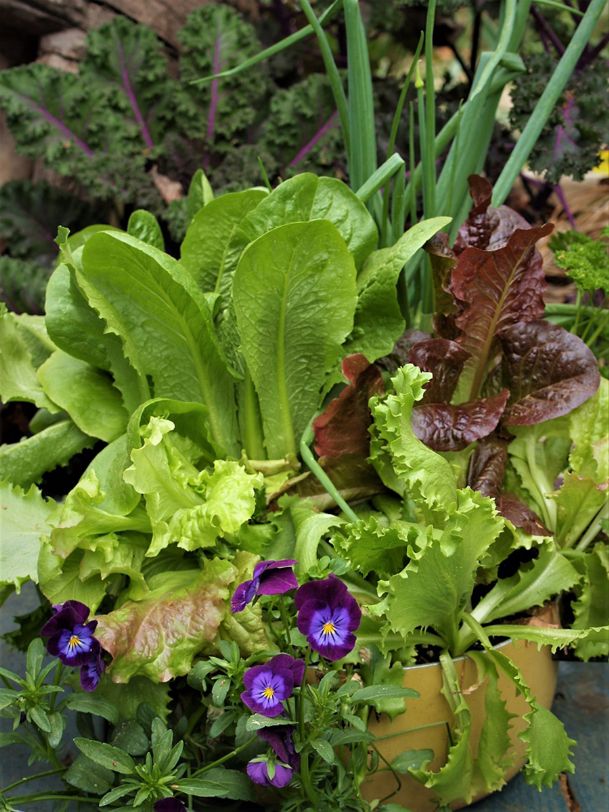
(431, 708)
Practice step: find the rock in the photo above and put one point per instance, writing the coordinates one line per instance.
(69, 44)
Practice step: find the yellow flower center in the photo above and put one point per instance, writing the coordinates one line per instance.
(74, 641)
(328, 628)
(269, 692)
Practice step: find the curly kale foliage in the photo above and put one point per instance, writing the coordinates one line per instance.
(585, 260)
(578, 127)
(23, 284)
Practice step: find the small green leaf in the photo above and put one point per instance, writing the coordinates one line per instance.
(58, 723)
(35, 657)
(115, 794)
(40, 718)
(144, 225)
(106, 755)
(87, 703)
(89, 776)
(324, 749)
(219, 783)
(219, 691)
(257, 721)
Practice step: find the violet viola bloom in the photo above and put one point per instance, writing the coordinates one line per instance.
(270, 578)
(268, 773)
(269, 685)
(328, 615)
(70, 638)
(281, 741)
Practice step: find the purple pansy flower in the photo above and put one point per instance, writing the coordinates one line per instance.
(328, 615)
(169, 805)
(281, 740)
(71, 639)
(268, 773)
(270, 578)
(268, 685)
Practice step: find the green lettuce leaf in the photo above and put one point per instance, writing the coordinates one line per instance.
(208, 252)
(191, 507)
(373, 545)
(165, 325)
(100, 503)
(26, 517)
(378, 317)
(86, 394)
(591, 609)
(115, 554)
(589, 430)
(22, 350)
(292, 321)
(144, 225)
(159, 636)
(433, 589)
(307, 197)
(403, 462)
(61, 580)
(25, 462)
(546, 576)
(578, 502)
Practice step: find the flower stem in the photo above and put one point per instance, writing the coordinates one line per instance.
(31, 799)
(224, 758)
(27, 778)
(305, 775)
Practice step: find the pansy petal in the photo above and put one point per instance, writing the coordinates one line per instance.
(264, 566)
(277, 582)
(244, 594)
(296, 667)
(91, 672)
(329, 590)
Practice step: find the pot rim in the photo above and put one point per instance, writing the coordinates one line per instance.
(455, 659)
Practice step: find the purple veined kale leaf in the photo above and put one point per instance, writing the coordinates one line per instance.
(126, 58)
(445, 427)
(302, 129)
(342, 427)
(550, 372)
(216, 38)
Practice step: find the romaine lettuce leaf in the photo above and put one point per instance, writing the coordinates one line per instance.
(24, 346)
(293, 319)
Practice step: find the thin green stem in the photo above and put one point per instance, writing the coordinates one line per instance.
(410, 730)
(320, 474)
(31, 799)
(397, 116)
(430, 109)
(593, 529)
(305, 775)
(34, 777)
(224, 758)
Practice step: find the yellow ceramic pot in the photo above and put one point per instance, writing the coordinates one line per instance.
(539, 672)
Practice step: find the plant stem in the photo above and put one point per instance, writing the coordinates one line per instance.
(30, 778)
(320, 474)
(224, 758)
(593, 529)
(305, 775)
(30, 799)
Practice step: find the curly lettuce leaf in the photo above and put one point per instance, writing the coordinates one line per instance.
(26, 517)
(433, 589)
(292, 321)
(158, 637)
(591, 608)
(444, 427)
(186, 506)
(61, 580)
(373, 545)
(165, 325)
(24, 346)
(403, 462)
(578, 501)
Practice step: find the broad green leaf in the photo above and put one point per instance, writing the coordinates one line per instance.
(589, 429)
(127, 698)
(324, 749)
(61, 581)
(165, 325)
(436, 586)
(309, 532)
(88, 776)
(378, 317)
(218, 782)
(25, 462)
(144, 225)
(86, 394)
(544, 635)
(591, 609)
(121, 554)
(308, 197)
(130, 737)
(106, 755)
(548, 575)
(207, 252)
(90, 703)
(292, 320)
(18, 379)
(404, 462)
(25, 518)
(578, 501)
(158, 637)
